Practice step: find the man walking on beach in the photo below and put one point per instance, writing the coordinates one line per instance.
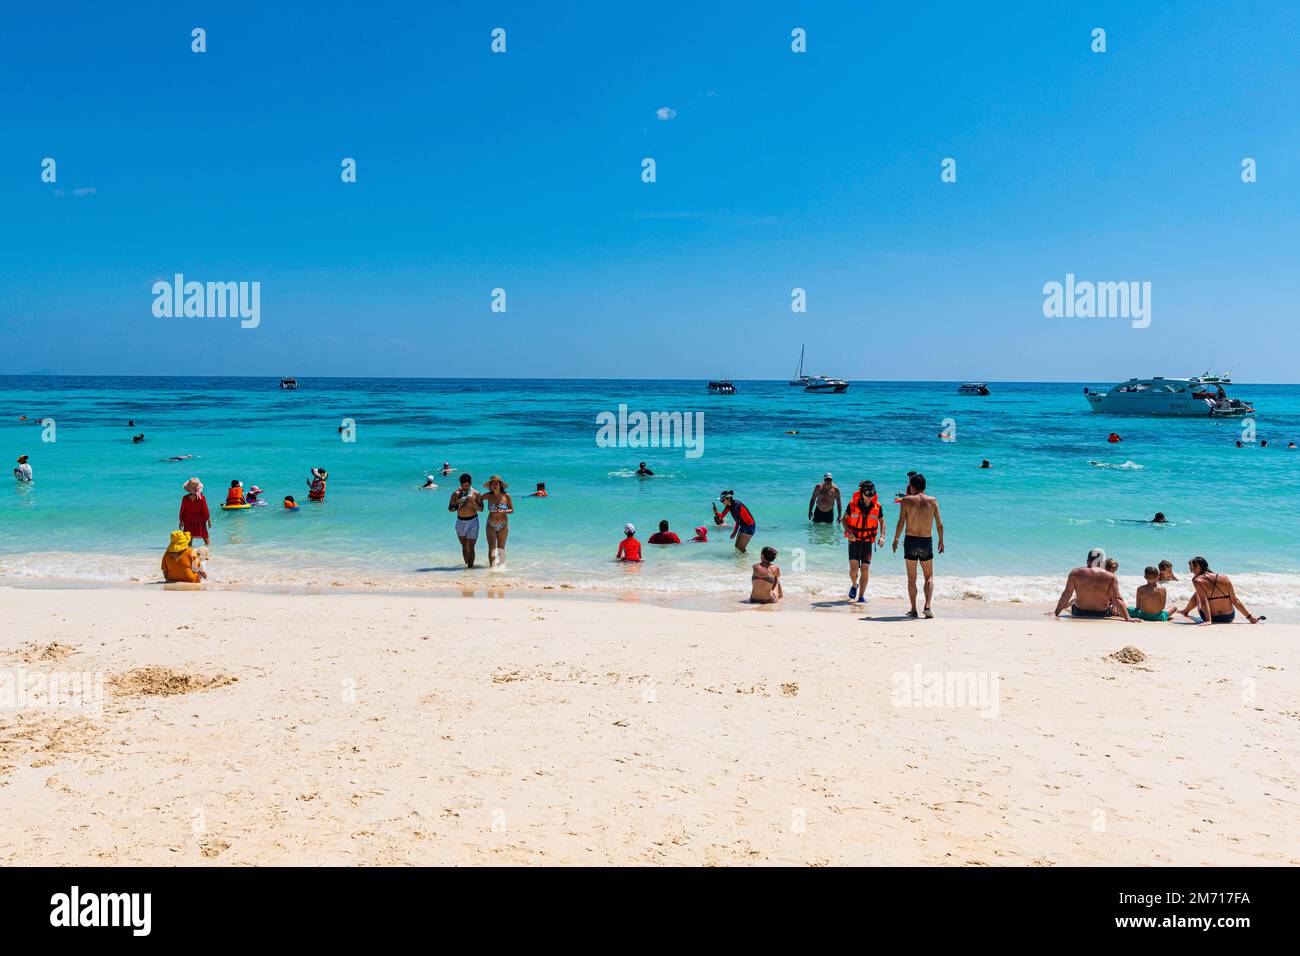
(467, 503)
(825, 499)
(917, 513)
(864, 527)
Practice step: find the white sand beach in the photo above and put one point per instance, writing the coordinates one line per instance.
(247, 728)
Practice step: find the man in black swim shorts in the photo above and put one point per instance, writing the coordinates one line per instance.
(918, 514)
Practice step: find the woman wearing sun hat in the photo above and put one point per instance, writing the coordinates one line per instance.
(194, 511)
(180, 562)
(24, 471)
(499, 507)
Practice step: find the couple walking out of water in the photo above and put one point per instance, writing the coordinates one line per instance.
(467, 503)
(864, 527)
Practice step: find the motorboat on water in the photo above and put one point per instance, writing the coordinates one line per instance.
(973, 388)
(1196, 397)
(722, 387)
(816, 383)
(288, 384)
(820, 383)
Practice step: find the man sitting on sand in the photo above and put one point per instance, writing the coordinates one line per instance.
(180, 562)
(1151, 598)
(1095, 591)
(1215, 599)
(765, 581)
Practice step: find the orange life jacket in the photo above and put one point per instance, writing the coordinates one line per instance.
(317, 492)
(860, 524)
(235, 496)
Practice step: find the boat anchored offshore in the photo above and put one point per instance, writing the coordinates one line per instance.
(722, 387)
(288, 384)
(1197, 397)
(820, 383)
(973, 388)
(816, 383)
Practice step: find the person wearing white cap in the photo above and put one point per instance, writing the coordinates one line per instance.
(629, 549)
(824, 506)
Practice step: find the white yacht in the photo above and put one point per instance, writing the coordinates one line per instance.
(816, 383)
(1197, 397)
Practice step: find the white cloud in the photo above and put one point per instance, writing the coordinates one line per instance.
(665, 112)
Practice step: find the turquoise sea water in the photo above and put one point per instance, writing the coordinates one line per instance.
(101, 507)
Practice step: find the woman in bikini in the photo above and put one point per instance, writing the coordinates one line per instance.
(765, 583)
(499, 508)
(1215, 598)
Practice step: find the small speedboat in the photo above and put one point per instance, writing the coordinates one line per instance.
(288, 384)
(722, 387)
(973, 388)
(820, 383)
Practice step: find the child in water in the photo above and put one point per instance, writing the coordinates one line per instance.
(629, 549)
(290, 504)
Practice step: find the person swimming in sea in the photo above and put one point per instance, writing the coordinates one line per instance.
(540, 492)
(985, 464)
(429, 483)
(765, 579)
(137, 439)
(447, 469)
(1160, 518)
(1151, 602)
(290, 504)
(629, 549)
(254, 497)
(644, 472)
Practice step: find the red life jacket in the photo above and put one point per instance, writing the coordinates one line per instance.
(235, 496)
(317, 492)
(860, 524)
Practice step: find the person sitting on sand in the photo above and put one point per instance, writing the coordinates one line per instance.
(1215, 599)
(540, 492)
(23, 472)
(765, 581)
(1166, 569)
(1094, 590)
(629, 549)
(1151, 598)
(664, 536)
(180, 562)
(1112, 566)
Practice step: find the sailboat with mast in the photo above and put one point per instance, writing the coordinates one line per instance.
(816, 383)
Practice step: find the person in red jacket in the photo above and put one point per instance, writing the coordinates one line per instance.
(194, 516)
(629, 549)
(664, 536)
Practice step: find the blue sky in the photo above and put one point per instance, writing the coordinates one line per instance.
(778, 170)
